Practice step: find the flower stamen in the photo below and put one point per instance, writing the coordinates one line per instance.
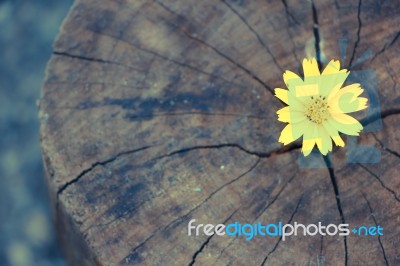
(317, 110)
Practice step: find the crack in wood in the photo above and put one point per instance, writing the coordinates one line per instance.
(285, 149)
(379, 237)
(393, 152)
(338, 201)
(129, 211)
(280, 239)
(337, 4)
(107, 161)
(391, 75)
(133, 251)
(97, 60)
(118, 217)
(192, 210)
(396, 37)
(221, 54)
(183, 150)
(379, 115)
(321, 247)
(163, 57)
(251, 74)
(212, 194)
(288, 13)
(263, 211)
(146, 75)
(201, 113)
(387, 45)
(260, 40)
(358, 34)
(90, 83)
(208, 240)
(231, 182)
(248, 72)
(380, 182)
(317, 39)
(200, 250)
(274, 199)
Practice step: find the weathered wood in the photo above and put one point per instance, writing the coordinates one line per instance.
(154, 113)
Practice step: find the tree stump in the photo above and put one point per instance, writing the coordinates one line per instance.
(154, 113)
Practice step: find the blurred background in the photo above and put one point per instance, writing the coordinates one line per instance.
(27, 30)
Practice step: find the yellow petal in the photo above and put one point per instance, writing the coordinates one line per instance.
(307, 90)
(332, 93)
(282, 95)
(333, 67)
(338, 141)
(308, 137)
(331, 83)
(362, 103)
(327, 141)
(310, 68)
(290, 133)
(292, 80)
(286, 114)
(324, 142)
(347, 100)
(334, 134)
(288, 98)
(332, 78)
(297, 103)
(345, 123)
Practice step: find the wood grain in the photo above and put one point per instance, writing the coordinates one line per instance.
(154, 113)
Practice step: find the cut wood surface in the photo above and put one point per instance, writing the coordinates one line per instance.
(154, 113)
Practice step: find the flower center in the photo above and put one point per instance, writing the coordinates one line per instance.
(317, 109)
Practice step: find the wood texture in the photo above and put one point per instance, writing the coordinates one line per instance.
(154, 113)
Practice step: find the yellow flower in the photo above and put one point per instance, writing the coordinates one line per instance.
(318, 106)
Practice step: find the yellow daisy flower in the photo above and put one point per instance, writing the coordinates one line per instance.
(318, 106)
